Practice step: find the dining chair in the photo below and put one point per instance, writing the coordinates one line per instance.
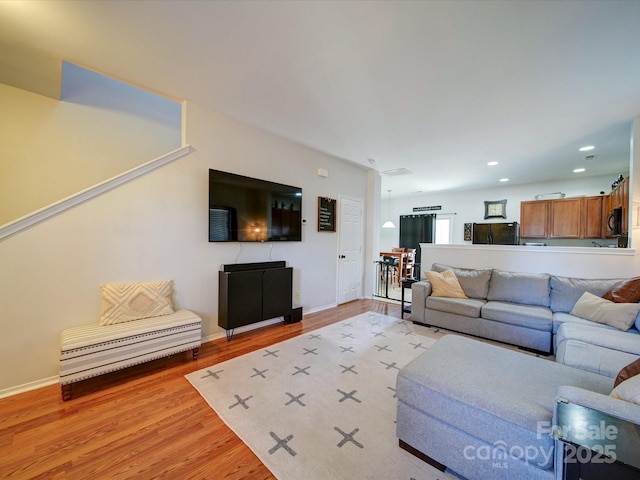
(408, 266)
(392, 264)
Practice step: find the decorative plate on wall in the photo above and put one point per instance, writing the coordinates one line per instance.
(495, 209)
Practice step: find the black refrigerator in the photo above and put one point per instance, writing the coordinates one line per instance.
(507, 233)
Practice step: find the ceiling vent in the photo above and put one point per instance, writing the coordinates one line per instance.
(591, 157)
(397, 172)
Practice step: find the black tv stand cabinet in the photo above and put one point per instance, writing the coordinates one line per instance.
(252, 292)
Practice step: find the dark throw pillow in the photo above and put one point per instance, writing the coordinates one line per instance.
(626, 291)
(627, 372)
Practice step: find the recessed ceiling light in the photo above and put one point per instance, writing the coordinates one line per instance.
(504, 179)
(492, 164)
(578, 170)
(586, 148)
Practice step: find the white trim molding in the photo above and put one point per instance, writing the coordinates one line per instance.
(38, 216)
(27, 387)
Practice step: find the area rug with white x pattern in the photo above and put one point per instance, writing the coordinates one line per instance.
(323, 405)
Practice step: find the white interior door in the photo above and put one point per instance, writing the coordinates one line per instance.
(349, 249)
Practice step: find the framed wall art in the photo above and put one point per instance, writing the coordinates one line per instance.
(495, 209)
(326, 214)
(467, 232)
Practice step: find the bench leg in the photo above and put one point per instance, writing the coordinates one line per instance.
(66, 392)
(195, 352)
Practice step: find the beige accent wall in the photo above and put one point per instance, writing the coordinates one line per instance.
(51, 149)
(155, 228)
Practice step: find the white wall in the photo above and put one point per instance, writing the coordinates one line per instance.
(565, 261)
(155, 228)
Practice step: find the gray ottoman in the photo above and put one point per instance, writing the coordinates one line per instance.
(484, 411)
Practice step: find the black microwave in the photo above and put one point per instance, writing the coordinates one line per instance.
(615, 221)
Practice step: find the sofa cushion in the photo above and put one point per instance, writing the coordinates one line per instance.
(474, 282)
(559, 318)
(445, 284)
(125, 302)
(597, 309)
(566, 291)
(596, 349)
(627, 372)
(535, 317)
(469, 307)
(625, 291)
(514, 287)
(481, 390)
(610, 338)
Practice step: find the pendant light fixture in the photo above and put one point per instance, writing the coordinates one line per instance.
(388, 223)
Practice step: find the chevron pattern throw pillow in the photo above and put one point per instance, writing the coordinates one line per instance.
(125, 302)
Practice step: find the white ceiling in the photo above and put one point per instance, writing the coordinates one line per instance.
(439, 88)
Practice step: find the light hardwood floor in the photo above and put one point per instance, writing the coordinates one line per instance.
(143, 422)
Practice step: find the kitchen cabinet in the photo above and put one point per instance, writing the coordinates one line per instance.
(534, 219)
(565, 218)
(594, 216)
(619, 198)
(578, 217)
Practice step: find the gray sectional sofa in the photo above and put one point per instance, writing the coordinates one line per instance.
(531, 311)
(489, 412)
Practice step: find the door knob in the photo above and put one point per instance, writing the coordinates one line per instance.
(342, 256)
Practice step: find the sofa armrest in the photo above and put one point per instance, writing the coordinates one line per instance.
(603, 403)
(419, 293)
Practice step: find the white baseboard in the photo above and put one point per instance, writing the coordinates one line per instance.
(26, 387)
(319, 309)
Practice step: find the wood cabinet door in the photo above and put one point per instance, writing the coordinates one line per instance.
(617, 196)
(593, 217)
(624, 187)
(534, 219)
(277, 284)
(565, 218)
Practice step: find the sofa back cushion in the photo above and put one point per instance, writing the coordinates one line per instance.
(515, 287)
(474, 282)
(566, 291)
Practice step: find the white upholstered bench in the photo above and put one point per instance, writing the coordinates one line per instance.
(91, 350)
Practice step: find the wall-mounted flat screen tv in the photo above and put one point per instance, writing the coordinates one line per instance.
(245, 209)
